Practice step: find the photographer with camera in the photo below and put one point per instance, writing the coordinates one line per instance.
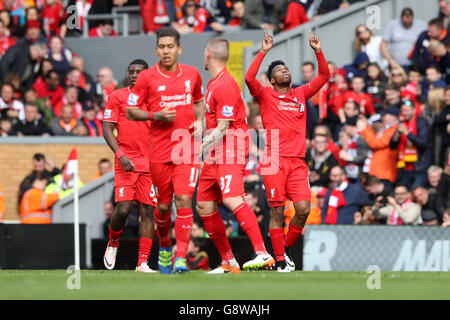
(397, 210)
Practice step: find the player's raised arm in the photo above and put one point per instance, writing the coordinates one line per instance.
(253, 84)
(311, 88)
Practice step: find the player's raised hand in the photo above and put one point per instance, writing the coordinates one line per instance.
(126, 163)
(314, 42)
(167, 114)
(267, 42)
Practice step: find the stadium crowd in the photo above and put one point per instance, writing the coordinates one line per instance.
(378, 131)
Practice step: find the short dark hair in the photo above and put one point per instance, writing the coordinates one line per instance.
(355, 104)
(401, 185)
(272, 66)
(340, 167)
(392, 86)
(140, 62)
(371, 180)
(49, 73)
(108, 22)
(414, 68)
(39, 156)
(407, 12)
(433, 66)
(437, 22)
(103, 160)
(168, 32)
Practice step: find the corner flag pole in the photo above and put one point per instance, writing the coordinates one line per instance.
(76, 223)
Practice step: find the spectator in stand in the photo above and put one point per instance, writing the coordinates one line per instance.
(36, 204)
(320, 161)
(66, 125)
(14, 108)
(45, 66)
(105, 84)
(104, 29)
(5, 126)
(14, 79)
(53, 19)
(16, 16)
(85, 80)
(295, 15)
(383, 162)
(335, 97)
(411, 139)
(376, 81)
(435, 105)
(104, 166)
(433, 80)
(392, 96)
(43, 104)
(343, 199)
(70, 98)
(428, 207)
(33, 32)
(366, 41)
(50, 88)
(350, 112)
(377, 190)
(414, 74)
(444, 12)
(399, 38)
(421, 55)
(74, 79)
(254, 16)
(434, 175)
(32, 125)
(237, 14)
(6, 41)
(154, 15)
(59, 56)
(365, 216)
(357, 94)
(195, 19)
(354, 151)
(42, 166)
(358, 66)
(323, 130)
(91, 122)
(22, 59)
(399, 210)
(398, 76)
(442, 124)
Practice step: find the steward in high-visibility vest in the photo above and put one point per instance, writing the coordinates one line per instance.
(61, 187)
(35, 205)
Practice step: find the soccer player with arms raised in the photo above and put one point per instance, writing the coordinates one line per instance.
(132, 178)
(169, 94)
(226, 145)
(285, 173)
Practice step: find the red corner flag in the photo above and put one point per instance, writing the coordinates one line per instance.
(70, 170)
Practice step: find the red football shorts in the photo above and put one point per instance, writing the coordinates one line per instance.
(129, 186)
(220, 181)
(170, 179)
(290, 182)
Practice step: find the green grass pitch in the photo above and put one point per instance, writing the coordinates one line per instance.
(196, 285)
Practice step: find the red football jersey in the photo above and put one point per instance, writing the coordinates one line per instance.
(363, 99)
(224, 102)
(155, 90)
(284, 114)
(132, 136)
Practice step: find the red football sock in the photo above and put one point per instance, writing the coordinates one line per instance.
(292, 235)
(183, 226)
(249, 224)
(277, 238)
(145, 245)
(114, 237)
(215, 228)
(163, 222)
